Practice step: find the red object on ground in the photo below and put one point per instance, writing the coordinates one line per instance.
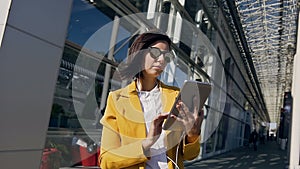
(89, 159)
(76, 159)
(50, 158)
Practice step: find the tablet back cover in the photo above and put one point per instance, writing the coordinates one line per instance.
(189, 90)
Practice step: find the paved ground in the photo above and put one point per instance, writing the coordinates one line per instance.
(268, 156)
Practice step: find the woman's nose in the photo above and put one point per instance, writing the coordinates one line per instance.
(161, 58)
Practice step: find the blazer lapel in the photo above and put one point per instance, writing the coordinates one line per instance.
(168, 98)
(133, 110)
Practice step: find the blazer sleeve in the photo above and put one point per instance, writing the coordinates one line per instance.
(113, 153)
(191, 150)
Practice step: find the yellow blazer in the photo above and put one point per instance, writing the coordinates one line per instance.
(124, 130)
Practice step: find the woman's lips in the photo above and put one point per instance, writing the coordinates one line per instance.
(157, 67)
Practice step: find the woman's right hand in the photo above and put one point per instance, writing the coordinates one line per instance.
(191, 119)
(154, 131)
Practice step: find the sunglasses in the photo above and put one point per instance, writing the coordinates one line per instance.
(156, 52)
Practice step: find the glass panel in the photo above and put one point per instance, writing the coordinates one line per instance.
(222, 133)
(182, 73)
(85, 20)
(74, 130)
(210, 143)
(141, 5)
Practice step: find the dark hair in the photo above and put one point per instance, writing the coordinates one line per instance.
(135, 60)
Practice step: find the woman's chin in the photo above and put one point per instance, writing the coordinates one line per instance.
(155, 72)
(158, 71)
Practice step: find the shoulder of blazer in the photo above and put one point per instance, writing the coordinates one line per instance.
(125, 91)
(169, 89)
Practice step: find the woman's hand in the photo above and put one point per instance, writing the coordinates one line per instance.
(191, 120)
(154, 131)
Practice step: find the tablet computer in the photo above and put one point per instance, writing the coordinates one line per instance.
(188, 91)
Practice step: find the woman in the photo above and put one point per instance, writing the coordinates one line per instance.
(132, 135)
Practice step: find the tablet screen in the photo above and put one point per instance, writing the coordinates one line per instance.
(189, 90)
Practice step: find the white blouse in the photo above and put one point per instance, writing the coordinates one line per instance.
(152, 106)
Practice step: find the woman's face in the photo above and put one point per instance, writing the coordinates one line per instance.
(153, 67)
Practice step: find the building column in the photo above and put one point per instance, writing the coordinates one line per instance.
(30, 55)
(295, 125)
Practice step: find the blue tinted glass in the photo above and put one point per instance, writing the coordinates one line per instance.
(85, 20)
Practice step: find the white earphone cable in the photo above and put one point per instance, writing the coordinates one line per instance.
(177, 149)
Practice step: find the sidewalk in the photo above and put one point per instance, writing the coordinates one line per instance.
(267, 156)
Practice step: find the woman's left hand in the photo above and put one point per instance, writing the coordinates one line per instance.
(191, 120)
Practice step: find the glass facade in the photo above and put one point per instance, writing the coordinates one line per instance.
(99, 35)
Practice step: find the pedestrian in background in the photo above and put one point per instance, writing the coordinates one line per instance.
(253, 138)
